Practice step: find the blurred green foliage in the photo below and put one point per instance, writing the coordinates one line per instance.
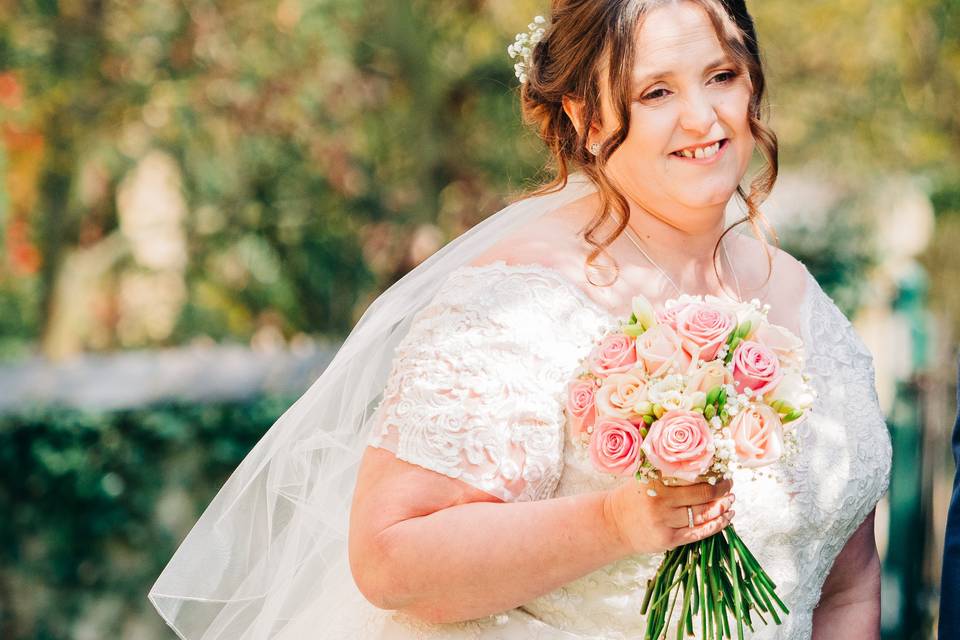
(839, 255)
(95, 503)
(311, 139)
(322, 148)
(942, 260)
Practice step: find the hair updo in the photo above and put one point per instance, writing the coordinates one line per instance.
(580, 37)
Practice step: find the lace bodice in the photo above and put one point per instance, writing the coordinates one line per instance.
(476, 392)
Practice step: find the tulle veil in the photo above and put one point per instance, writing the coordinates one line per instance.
(273, 541)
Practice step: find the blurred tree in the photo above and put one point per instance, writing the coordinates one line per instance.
(313, 140)
(865, 86)
(321, 149)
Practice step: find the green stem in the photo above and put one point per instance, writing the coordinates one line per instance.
(706, 609)
(666, 592)
(737, 602)
(666, 622)
(685, 620)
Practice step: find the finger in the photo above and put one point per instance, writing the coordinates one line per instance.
(702, 513)
(695, 494)
(686, 535)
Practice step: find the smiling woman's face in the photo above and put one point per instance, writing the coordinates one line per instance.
(686, 94)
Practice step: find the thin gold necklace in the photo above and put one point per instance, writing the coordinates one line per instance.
(723, 248)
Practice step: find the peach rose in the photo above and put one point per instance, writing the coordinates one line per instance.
(712, 374)
(668, 315)
(580, 406)
(615, 446)
(661, 351)
(755, 367)
(780, 340)
(680, 445)
(621, 394)
(758, 435)
(614, 354)
(703, 329)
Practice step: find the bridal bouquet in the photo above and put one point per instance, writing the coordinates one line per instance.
(689, 394)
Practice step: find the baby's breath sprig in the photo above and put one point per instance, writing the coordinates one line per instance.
(523, 45)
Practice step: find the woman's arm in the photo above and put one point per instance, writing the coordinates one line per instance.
(444, 551)
(850, 600)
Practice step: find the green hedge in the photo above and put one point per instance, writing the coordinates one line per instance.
(93, 504)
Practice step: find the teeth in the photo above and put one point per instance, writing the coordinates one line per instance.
(701, 152)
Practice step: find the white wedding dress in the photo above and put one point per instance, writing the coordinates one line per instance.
(476, 392)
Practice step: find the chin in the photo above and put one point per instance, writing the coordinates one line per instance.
(715, 199)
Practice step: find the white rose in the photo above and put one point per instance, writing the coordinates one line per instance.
(793, 390)
(668, 393)
(643, 310)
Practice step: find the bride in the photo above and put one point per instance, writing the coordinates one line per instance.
(422, 487)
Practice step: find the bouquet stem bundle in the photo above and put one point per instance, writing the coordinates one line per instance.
(712, 579)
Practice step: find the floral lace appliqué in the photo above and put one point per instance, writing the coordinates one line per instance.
(475, 390)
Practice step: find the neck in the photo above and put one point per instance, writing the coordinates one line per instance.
(683, 244)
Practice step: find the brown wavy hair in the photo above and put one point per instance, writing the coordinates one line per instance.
(583, 35)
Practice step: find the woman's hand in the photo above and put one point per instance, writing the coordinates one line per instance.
(656, 523)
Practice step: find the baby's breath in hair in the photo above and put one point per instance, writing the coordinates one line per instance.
(523, 47)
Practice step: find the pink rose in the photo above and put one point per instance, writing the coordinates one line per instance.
(614, 354)
(780, 340)
(755, 367)
(660, 350)
(680, 445)
(703, 329)
(615, 446)
(580, 406)
(758, 435)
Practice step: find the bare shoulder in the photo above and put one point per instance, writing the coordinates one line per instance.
(766, 266)
(772, 275)
(552, 240)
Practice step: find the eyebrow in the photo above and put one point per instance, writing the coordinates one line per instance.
(665, 74)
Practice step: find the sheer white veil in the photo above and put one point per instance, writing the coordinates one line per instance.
(274, 539)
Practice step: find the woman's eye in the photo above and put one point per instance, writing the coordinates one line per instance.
(725, 76)
(656, 93)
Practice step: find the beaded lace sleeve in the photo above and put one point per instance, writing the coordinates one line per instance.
(475, 387)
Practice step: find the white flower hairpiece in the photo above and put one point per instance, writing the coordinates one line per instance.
(523, 47)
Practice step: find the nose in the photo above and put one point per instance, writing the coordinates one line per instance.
(698, 114)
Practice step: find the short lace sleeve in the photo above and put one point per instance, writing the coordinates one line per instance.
(844, 375)
(475, 388)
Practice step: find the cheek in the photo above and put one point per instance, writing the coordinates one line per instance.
(733, 109)
(734, 113)
(649, 134)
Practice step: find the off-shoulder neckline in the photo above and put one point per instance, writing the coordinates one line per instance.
(561, 278)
